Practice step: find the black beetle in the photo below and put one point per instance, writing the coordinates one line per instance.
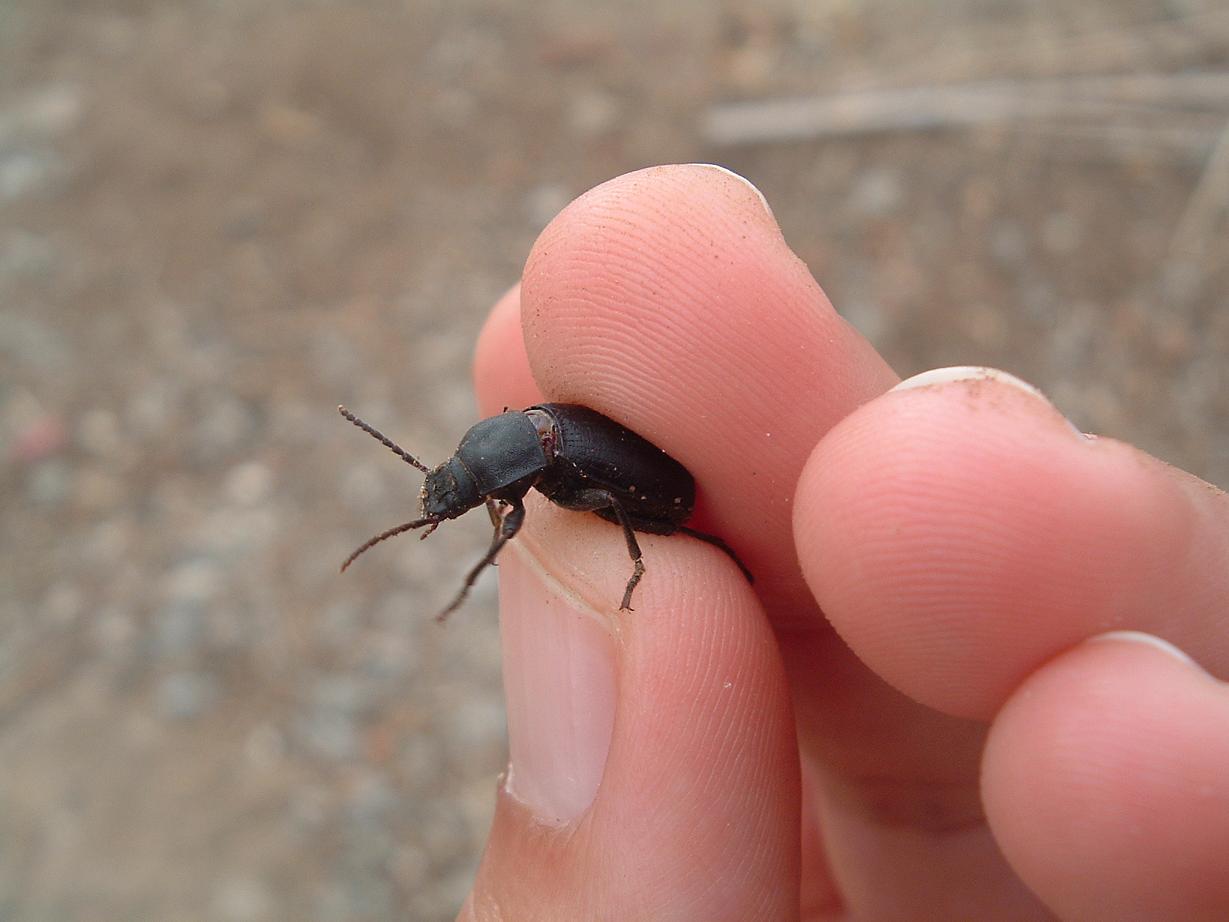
(577, 457)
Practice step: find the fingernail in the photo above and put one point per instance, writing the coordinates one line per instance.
(1148, 640)
(957, 373)
(742, 179)
(966, 373)
(560, 684)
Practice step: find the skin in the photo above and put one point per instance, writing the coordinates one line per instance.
(909, 715)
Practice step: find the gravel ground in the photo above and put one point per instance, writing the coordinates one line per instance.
(220, 219)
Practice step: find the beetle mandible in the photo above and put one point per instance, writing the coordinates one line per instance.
(575, 456)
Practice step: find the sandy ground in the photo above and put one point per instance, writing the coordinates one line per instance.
(220, 219)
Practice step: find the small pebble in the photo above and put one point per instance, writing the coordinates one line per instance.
(184, 695)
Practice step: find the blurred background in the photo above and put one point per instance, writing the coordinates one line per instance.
(219, 219)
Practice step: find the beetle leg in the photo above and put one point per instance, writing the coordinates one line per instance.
(505, 529)
(633, 548)
(717, 542)
(594, 499)
(493, 511)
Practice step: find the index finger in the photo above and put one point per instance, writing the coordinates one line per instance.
(667, 299)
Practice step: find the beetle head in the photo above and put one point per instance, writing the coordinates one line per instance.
(449, 491)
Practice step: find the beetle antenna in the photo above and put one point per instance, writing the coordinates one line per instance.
(385, 535)
(384, 440)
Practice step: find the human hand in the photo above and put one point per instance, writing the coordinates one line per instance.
(949, 738)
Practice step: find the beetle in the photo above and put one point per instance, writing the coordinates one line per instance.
(576, 457)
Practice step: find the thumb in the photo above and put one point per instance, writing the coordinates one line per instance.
(653, 770)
